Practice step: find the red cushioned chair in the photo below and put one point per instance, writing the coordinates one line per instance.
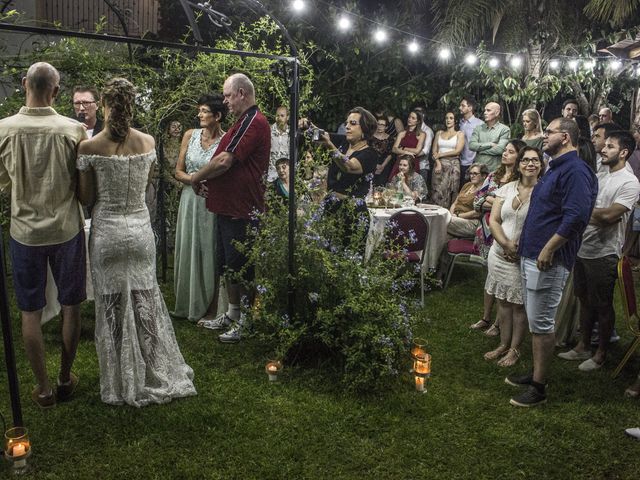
(400, 225)
(628, 295)
(462, 250)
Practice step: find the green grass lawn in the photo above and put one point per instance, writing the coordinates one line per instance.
(242, 427)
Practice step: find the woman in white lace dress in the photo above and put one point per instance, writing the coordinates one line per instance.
(508, 212)
(140, 362)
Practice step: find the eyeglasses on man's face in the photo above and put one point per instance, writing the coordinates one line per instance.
(548, 132)
(83, 103)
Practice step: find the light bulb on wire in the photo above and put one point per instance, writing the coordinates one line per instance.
(344, 23)
(494, 62)
(413, 46)
(298, 5)
(380, 36)
(516, 62)
(444, 54)
(554, 64)
(470, 59)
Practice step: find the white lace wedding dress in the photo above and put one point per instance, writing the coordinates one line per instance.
(140, 362)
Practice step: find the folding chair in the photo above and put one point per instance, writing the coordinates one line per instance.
(628, 295)
(462, 250)
(401, 224)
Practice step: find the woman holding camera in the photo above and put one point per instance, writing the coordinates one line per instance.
(352, 167)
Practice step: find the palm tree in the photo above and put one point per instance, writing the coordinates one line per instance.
(618, 11)
(535, 28)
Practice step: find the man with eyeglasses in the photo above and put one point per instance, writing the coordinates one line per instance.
(559, 211)
(595, 271)
(85, 106)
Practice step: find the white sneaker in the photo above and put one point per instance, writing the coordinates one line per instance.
(573, 355)
(232, 335)
(633, 432)
(218, 323)
(589, 365)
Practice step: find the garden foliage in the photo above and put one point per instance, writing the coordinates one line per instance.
(352, 314)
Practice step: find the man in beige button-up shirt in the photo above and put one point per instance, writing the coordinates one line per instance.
(37, 165)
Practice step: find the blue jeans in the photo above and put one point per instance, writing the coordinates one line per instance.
(541, 293)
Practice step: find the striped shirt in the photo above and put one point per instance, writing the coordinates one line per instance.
(240, 190)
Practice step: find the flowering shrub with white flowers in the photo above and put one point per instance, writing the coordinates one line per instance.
(352, 314)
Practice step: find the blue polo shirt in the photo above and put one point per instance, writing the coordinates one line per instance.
(561, 202)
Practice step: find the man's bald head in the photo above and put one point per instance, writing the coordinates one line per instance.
(491, 113)
(41, 83)
(41, 77)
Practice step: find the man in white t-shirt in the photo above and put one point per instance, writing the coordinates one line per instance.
(595, 271)
(279, 141)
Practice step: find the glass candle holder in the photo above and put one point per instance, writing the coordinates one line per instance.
(422, 371)
(273, 369)
(17, 448)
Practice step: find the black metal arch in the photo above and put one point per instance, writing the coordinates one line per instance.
(217, 19)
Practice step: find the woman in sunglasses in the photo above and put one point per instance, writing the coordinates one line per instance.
(351, 170)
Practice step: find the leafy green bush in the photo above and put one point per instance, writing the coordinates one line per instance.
(350, 313)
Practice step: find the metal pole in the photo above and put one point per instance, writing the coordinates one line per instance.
(9, 353)
(293, 156)
(160, 210)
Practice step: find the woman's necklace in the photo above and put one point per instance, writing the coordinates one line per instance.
(356, 147)
(207, 141)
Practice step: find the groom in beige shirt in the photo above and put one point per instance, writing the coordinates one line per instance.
(37, 166)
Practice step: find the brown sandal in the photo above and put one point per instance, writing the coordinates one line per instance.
(481, 324)
(510, 359)
(492, 331)
(493, 354)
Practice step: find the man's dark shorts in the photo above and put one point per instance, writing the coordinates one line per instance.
(68, 266)
(229, 231)
(594, 280)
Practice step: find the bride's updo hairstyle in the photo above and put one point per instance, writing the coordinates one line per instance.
(119, 95)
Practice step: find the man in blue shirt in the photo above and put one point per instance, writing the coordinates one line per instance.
(468, 123)
(559, 211)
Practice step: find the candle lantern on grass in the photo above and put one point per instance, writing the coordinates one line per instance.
(17, 448)
(273, 369)
(422, 371)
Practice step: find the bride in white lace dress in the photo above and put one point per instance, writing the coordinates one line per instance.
(140, 362)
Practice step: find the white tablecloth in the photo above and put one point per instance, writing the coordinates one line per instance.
(52, 308)
(437, 217)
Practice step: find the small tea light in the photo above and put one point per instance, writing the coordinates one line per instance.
(17, 448)
(273, 369)
(419, 383)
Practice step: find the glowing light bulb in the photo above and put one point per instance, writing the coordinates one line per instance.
(380, 35)
(413, 46)
(470, 59)
(616, 65)
(344, 23)
(298, 5)
(494, 62)
(516, 62)
(554, 64)
(573, 64)
(444, 53)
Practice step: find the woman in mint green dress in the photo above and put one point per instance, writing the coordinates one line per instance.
(195, 277)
